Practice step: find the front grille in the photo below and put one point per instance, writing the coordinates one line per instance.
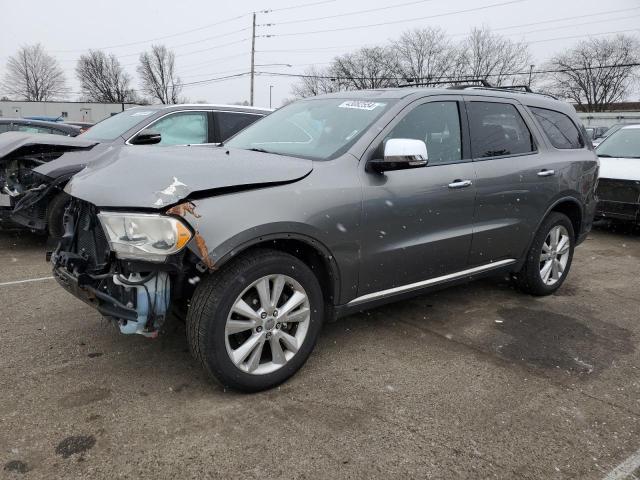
(89, 240)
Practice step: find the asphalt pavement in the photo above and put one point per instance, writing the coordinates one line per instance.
(477, 381)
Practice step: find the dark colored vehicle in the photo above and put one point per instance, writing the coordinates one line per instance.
(619, 183)
(35, 168)
(38, 126)
(328, 206)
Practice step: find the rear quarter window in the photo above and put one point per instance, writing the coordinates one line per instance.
(559, 128)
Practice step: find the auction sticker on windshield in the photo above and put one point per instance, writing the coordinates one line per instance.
(141, 114)
(359, 105)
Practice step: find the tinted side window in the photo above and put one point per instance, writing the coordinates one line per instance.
(185, 128)
(4, 127)
(497, 129)
(561, 131)
(230, 123)
(438, 125)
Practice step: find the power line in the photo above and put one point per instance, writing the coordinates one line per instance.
(164, 37)
(313, 19)
(304, 5)
(355, 27)
(584, 36)
(452, 77)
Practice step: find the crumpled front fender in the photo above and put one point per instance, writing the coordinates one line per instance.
(30, 210)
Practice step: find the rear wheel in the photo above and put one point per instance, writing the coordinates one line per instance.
(549, 258)
(254, 324)
(55, 214)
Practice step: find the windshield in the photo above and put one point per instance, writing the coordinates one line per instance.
(117, 125)
(317, 128)
(624, 143)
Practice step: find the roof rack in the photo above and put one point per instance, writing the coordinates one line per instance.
(472, 82)
(479, 84)
(514, 88)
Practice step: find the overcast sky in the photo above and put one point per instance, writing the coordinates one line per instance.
(212, 38)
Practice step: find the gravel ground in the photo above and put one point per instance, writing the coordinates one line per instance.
(476, 381)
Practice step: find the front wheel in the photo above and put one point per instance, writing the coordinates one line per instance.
(549, 258)
(55, 214)
(254, 324)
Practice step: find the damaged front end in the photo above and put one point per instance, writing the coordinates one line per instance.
(25, 192)
(137, 294)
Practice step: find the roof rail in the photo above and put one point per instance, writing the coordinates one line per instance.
(471, 82)
(478, 84)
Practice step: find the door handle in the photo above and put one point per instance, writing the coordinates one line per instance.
(546, 173)
(460, 184)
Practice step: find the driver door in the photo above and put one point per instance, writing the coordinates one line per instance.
(417, 224)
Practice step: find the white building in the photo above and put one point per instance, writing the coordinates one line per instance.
(607, 119)
(67, 111)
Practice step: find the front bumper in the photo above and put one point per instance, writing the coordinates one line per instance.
(106, 304)
(619, 199)
(134, 294)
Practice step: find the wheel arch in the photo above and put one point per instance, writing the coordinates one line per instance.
(308, 249)
(570, 207)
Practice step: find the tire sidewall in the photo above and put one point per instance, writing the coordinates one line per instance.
(214, 348)
(533, 268)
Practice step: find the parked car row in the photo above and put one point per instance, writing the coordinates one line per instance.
(312, 213)
(327, 206)
(35, 168)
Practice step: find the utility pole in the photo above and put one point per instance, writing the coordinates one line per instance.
(530, 72)
(253, 57)
(270, 88)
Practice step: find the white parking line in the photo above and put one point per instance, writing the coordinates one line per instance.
(625, 469)
(28, 280)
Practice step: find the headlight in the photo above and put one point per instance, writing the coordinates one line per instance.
(144, 236)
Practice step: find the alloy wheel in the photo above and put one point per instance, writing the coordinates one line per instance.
(555, 255)
(267, 324)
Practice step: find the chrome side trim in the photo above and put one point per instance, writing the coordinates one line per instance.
(432, 281)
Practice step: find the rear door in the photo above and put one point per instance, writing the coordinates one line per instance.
(417, 223)
(513, 190)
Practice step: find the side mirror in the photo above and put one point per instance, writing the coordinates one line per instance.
(146, 137)
(401, 153)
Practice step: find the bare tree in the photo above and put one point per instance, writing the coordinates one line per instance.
(368, 67)
(426, 54)
(102, 78)
(494, 58)
(315, 82)
(157, 75)
(32, 74)
(596, 72)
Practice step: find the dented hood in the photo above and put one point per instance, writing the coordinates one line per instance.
(73, 153)
(157, 177)
(12, 141)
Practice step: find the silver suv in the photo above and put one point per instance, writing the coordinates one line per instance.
(328, 206)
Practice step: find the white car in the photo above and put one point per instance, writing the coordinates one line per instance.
(619, 185)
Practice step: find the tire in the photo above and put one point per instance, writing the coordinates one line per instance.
(55, 214)
(208, 330)
(530, 278)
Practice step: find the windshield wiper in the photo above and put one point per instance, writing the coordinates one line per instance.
(604, 155)
(261, 150)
